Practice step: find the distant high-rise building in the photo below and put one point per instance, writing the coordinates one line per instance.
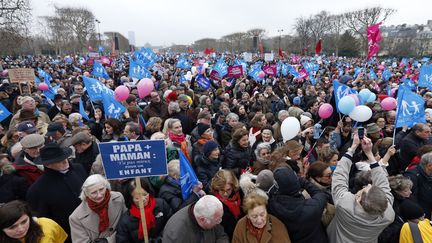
(131, 37)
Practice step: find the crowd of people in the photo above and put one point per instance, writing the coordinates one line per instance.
(330, 183)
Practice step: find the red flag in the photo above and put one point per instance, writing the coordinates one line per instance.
(208, 51)
(374, 36)
(190, 50)
(318, 47)
(280, 53)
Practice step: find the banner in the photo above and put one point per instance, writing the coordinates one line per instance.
(215, 75)
(270, 69)
(188, 179)
(133, 159)
(203, 81)
(99, 71)
(235, 71)
(247, 57)
(341, 90)
(268, 57)
(18, 75)
(221, 67)
(374, 37)
(138, 71)
(410, 108)
(425, 79)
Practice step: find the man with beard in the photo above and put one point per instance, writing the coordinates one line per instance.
(156, 108)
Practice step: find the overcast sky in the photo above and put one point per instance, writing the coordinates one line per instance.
(164, 22)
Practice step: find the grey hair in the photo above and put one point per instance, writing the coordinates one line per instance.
(174, 169)
(282, 113)
(173, 107)
(260, 147)
(374, 201)
(171, 123)
(91, 181)
(231, 116)
(400, 183)
(207, 206)
(426, 159)
(134, 127)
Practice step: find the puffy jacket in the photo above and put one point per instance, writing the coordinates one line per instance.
(206, 169)
(237, 158)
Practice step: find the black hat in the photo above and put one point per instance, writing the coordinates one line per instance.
(288, 181)
(55, 127)
(410, 210)
(209, 147)
(53, 153)
(202, 128)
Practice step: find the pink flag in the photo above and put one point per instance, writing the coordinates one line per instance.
(235, 71)
(215, 75)
(374, 36)
(270, 69)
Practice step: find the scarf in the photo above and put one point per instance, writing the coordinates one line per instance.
(233, 203)
(254, 231)
(102, 211)
(202, 141)
(181, 140)
(149, 216)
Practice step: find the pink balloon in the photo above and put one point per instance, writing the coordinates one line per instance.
(145, 87)
(261, 74)
(87, 74)
(325, 110)
(5, 73)
(121, 93)
(356, 99)
(388, 103)
(43, 86)
(381, 67)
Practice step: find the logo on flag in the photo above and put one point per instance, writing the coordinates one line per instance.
(99, 71)
(270, 70)
(138, 71)
(203, 81)
(341, 90)
(188, 179)
(183, 63)
(221, 67)
(410, 109)
(425, 79)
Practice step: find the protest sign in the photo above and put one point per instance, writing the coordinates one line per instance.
(268, 57)
(235, 71)
(133, 159)
(94, 54)
(19, 75)
(270, 70)
(215, 75)
(247, 57)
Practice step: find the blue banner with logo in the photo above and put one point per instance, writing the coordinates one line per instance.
(138, 71)
(221, 67)
(133, 159)
(341, 90)
(188, 178)
(99, 71)
(425, 79)
(410, 108)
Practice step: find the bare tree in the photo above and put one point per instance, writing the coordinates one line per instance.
(14, 17)
(303, 29)
(358, 21)
(337, 27)
(320, 25)
(235, 40)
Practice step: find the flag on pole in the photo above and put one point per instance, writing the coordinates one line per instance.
(4, 113)
(318, 47)
(410, 108)
(425, 79)
(82, 110)
(188, 179)
(99, 71)
(341, 90)
(374, 37)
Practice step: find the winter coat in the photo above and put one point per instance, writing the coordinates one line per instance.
(182, 227)
(12, 187)
(56, 195)
(275, 232)
(158, 110)
(302, 217)
(30, 172)
(84, 222)
(237, 158)
(206, 169)
(172, 194)
(408, 148)
(127, 228)
(351, 223)
(88, 157)
(422, 188)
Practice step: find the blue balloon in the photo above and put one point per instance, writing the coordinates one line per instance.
(346, 105)
(372, 97)
(364, 95)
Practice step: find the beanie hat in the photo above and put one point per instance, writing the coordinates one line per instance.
(209, 147)
(265, 180)
(410, 210)
(296, 100)
(202, 128)
(287, 181)
(304, 120)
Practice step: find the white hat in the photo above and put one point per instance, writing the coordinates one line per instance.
(304, 120)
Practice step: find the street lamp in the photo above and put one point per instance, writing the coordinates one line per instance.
(280, 37)
(99, 35)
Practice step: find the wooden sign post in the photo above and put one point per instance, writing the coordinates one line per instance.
(140, 191)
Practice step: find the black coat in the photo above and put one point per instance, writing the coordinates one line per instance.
(391, 234)
(229, 222)
(56, 195)
(422, 188)
(127, 228)
(12, 187)
(408, 148)
(172, 194)
(87, 157)
(237, 158)
(302, 217)
(206, 169)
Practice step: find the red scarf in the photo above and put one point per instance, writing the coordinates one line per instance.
(202, 141)
(149, 216)
(233, 203)
(102, 211)
(257, 233)
(180, 139)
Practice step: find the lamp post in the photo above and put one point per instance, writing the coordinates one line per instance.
(99, 35)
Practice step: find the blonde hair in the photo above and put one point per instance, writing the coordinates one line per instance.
(174, 169)
(253, 200)
(223, 177)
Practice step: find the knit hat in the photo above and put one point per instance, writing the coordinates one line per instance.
(32, 140)
(202, 128)
(296, 100)
(182, 97)
(209, 147)
(304, 120)
(287, 181)
(27, 127)
(345, 78)
(265, 180)
(372, 128)
(410, 210)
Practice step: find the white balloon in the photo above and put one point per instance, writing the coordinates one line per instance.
(361, 113)
(194, 69)
(290, 128)
(206, 65)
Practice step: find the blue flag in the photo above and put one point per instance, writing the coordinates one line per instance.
(188, 179)
(425, 79)
(4, 113)
(221, 67)
(37, 81)
(284, 69)
(95, 89)
(241, 62)
(99, 71)
(409, 83)
(47, 78)
(341, 90)
(203, 81)
(410, 109)
(138, 71)
(182, 78)
(372, 74)
(145, 57)
(51, 92)
(293, 71)
(254, 70)
(82, 111)
(112, 108)
(425, 59)
(183, 63)
(357, 71)
(386, 74)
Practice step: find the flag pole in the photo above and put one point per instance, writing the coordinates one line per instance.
(140, 191)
